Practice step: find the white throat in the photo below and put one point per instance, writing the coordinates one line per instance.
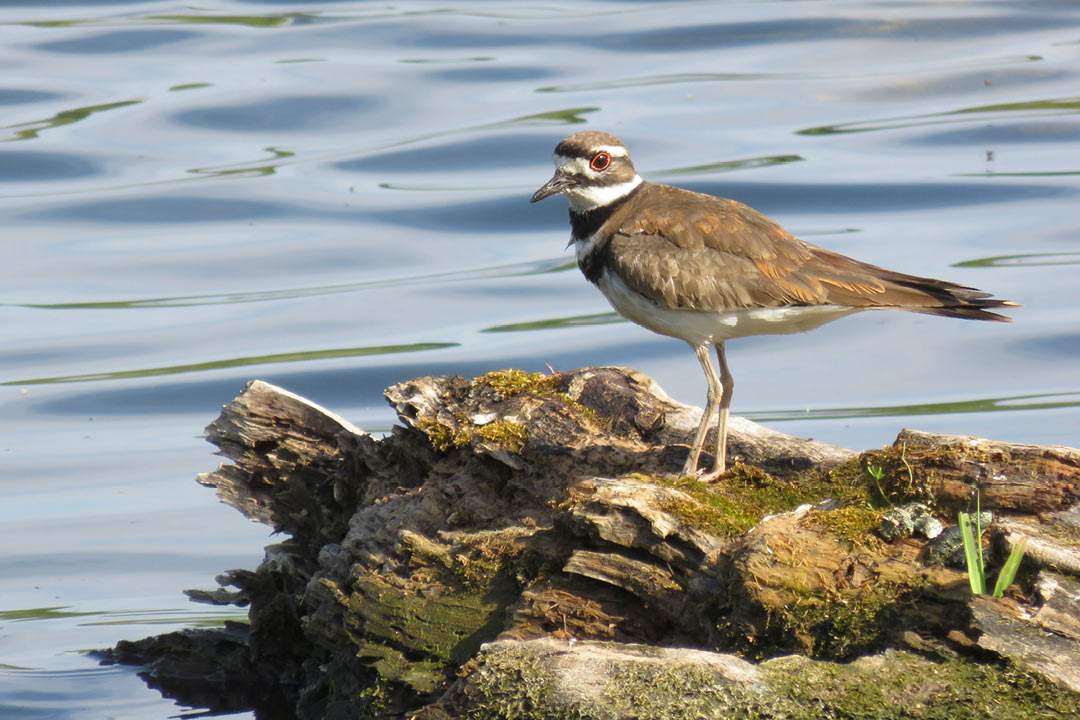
(586, 198)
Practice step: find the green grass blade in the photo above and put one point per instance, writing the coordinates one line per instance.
(1009, 569)
(972, 555)
(978, 538)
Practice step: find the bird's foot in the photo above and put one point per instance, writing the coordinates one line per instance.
(706, 477)
(712, 475)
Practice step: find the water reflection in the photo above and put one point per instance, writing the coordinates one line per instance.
(1034, 108)
(536, 267)
(31, 130)
(268, 359)
(556, 323)
(305, 125)
(129, 41)
(28, 166)
(300, 112)
(672, 79)
(727, 166)
(1024, 260)
(1035, 401)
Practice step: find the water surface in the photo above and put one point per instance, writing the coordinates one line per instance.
(333, 196)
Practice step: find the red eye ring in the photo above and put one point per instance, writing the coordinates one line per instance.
(601, 161)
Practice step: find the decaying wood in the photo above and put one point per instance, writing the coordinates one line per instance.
(1050, 538)
(554, 679)
(1009, 476)
(540, 513)
(1045, 640)
(285, 451)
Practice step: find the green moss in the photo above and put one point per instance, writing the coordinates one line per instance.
(739, 500)
(511, 382)
(846, 483)
(900, 685)
(507, 383)
(900, 482)
(486, 555)
(443, 437)
(419, 639)
(851, 523)
(511, 683)
(688, 692)
(510, 435)
(895, 685)
(841, 626)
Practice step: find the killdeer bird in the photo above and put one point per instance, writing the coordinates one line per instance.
(706, 269)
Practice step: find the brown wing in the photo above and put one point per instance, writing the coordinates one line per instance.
(692, 251)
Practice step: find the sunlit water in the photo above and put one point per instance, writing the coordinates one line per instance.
(333, 197)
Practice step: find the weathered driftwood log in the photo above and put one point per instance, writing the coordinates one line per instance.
(548, 678)
(543, 509)
(1009, 476)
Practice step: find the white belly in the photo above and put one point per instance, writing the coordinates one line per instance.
(699, 327)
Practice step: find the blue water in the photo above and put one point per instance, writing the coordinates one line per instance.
(333, 196)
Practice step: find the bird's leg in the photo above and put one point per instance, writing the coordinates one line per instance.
(711, 402)
(727, 384)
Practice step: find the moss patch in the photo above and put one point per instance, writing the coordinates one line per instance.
(508, 383)
(510, 435)
(895, 685)
(744, 495)
(510, 683)
(486, 555)
(828, 626)
(900, 685)
(418, 639)
(512, 382)
(443, 437)
(899, 482)
(851, 523)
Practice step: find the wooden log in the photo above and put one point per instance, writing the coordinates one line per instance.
(1008, 476)
(285, 451)
(547, 507)
(1045, 641)
(547, 679)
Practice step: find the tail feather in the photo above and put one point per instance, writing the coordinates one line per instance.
(957, 301)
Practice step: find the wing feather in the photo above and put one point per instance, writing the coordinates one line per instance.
(699, 252)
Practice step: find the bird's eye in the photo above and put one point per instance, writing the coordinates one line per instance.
(600, 161)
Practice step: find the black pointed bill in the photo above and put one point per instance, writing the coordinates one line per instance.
(558, 183)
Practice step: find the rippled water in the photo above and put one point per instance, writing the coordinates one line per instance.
(332, 196)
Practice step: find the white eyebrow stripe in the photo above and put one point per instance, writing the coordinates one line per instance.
(613, 150)
(567, 161)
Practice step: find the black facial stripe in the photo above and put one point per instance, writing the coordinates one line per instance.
(573, 151)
